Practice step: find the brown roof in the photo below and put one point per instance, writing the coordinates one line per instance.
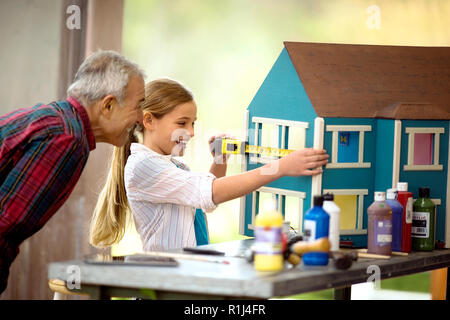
(371, 81)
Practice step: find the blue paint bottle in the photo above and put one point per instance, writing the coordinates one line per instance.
(397, 213)
(316, 226)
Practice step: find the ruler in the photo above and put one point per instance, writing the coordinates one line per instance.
(231, 146)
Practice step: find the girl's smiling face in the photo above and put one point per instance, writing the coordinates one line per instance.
(170, 133)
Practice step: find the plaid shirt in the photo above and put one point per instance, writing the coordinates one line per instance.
(43, 150)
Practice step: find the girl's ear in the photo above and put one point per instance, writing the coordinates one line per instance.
(148, 120)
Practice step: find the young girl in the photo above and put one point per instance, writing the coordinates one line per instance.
(160, 191)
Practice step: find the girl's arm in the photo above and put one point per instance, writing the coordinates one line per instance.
(306, 162)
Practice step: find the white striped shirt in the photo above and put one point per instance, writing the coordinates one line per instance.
(163, 198)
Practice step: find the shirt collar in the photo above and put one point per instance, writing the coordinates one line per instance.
(139, 147)
(85, 119)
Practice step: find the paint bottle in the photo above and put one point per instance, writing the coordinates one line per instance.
(423, 225)
(268, 241)
(397, 214)
(334, 212)
(380, 226)
(316, 225)
(406, 199)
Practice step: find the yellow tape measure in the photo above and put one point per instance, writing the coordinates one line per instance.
(230, 146)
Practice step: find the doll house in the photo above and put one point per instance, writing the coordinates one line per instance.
(381, 112)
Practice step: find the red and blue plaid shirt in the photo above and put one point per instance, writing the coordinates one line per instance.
(43, 150)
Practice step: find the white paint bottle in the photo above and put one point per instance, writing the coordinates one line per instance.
(334, 211)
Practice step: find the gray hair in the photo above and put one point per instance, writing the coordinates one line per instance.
(103, 73)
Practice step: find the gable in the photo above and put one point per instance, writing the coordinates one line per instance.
(281, 95)
(368, 81)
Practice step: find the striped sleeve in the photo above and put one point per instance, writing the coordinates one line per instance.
(154, 180)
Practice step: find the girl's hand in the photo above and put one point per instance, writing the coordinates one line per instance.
(219, 159)
(305, 162)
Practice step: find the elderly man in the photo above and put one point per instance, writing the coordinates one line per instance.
(43, 149)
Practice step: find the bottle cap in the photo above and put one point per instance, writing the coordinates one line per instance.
(424, 192)
(391, 194)
(402, 186)
(328, 197)
(318, 201)
(380, 196)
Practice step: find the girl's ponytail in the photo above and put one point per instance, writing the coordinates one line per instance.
(112, 211)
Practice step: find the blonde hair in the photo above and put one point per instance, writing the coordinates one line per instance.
(112, 211)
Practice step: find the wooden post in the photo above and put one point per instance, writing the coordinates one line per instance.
(438, 284)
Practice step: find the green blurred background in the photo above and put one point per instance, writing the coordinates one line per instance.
(223, 50)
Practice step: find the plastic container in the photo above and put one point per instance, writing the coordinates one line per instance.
(268, 241)
(397, 214)
(423, 224)
(316, 225)
(380, 226)
(334, 212)
(406, 199)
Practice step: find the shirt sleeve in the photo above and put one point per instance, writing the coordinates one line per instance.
(39, 183)
(154, 180)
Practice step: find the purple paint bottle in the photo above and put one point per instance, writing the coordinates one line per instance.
(397, 213)
(380, 226)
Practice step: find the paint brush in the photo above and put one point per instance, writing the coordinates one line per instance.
(184, 256)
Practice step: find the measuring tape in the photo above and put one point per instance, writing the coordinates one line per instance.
(231, 146)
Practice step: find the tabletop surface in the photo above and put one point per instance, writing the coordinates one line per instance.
(239, 279)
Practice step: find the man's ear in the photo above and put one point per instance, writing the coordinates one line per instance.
(106, 105)
(148, 120)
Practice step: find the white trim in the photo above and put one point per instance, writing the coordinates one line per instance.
(423, 167)
(280, 192)
(347, 192)
(335, 129)
(433, 167)
(334, 148)
(252, 223)
(447, 204)
(350, 232)
(284, 192)
(361, 147)
(436, 149)
(243, 169)
(316, 182)
(280, 122)
(410, 149)
(283, 137)
(397, 153)
(300, 216)
(348, 128)
(424, 130)
(348, 165)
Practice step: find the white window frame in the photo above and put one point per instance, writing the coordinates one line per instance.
(335, 129)
(410, 166)
(278, 123)
(360, 214)
(279, 192)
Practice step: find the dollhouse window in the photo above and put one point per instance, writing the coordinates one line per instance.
(347, 146)
(288, 202)
(277, 133)
(351, 203)
(423, 149)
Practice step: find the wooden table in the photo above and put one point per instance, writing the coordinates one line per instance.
(238, 279)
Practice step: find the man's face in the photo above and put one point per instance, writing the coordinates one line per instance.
(124, 117)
